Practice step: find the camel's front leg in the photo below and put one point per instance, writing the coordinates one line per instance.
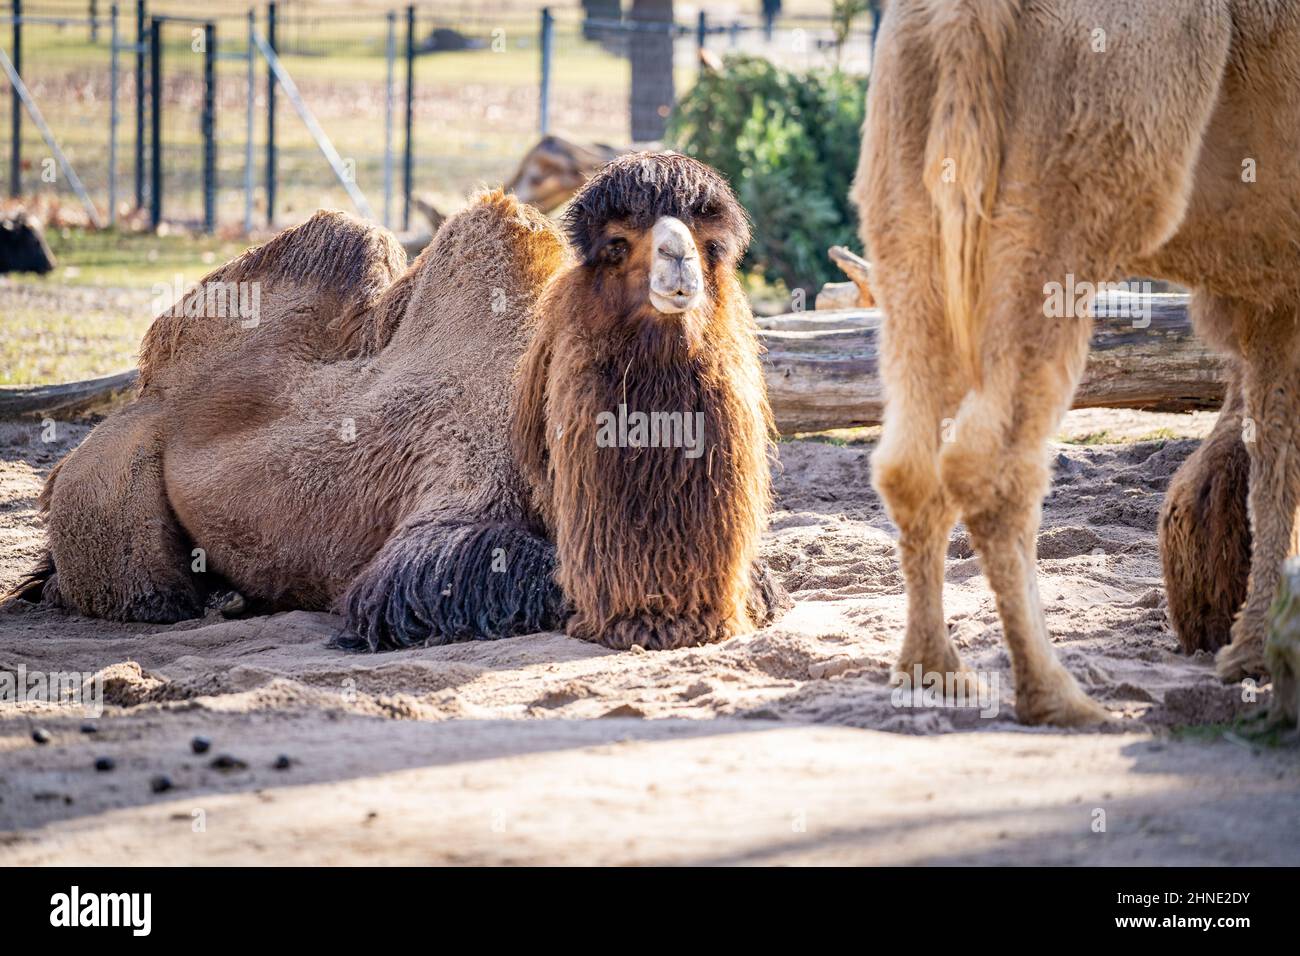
(1271, 431)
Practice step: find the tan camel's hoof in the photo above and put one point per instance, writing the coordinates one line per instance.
(942, 662)
(1239, 660)
(1061, 704)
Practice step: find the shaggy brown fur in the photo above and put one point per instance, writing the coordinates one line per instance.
(352, 449)
(1084, 138)
(655, 548)
(1205, 533)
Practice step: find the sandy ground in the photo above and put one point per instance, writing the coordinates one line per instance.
(781, 747)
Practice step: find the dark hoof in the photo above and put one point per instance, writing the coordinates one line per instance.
(768, 599)
(228, 603)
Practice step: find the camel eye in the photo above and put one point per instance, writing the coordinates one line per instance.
(714, 250)
(615, 251)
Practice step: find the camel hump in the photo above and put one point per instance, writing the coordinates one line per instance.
(472, 293)
(308, 292)
(496, 234)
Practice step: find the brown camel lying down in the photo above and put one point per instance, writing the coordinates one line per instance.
(431, 453)
(1014, 144)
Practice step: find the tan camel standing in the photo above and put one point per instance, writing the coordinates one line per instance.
(1010, 144)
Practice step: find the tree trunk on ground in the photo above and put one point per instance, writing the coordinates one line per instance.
(821, 370)
(650, 48)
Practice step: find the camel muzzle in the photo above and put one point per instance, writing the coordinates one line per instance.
(676, 281)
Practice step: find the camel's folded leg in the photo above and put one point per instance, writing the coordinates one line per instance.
(1205, 534)
(117, 549)
(434, 583)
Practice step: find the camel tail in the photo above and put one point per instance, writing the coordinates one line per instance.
(969, 43)
(31, 586)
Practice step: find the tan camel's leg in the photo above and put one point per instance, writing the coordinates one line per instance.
(905, 470)
(922, 378)
(1270, 345)
(996, 471)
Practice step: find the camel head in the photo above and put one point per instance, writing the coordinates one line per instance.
(658, 234)
(555, 169)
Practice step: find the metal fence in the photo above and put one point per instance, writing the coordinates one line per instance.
(240, 117)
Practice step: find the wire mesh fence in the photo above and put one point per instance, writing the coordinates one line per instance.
(484, 81)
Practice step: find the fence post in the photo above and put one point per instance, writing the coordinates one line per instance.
(251, 101)
(139, 102)
(112, 117)
(548, 46)
(270, 117)
(701, 39)
(94, 21)
(155, 118)
(407, 160)
(391, 56)
(209, 128)
(16, 121)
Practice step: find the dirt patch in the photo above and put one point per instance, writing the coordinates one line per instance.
(585, 755)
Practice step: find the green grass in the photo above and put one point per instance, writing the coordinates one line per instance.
(841, 437)
(1253, 730)
(40, 348)
(133, 260)
(1102, 437)
(86, 318)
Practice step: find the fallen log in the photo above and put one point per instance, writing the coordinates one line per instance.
(822, 369)
(71, 400)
